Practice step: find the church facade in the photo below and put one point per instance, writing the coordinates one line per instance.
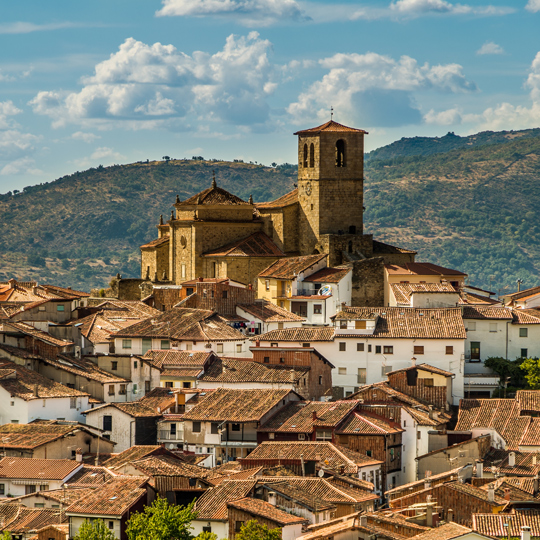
(216, 234)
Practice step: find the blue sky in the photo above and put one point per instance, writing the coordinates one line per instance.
(118, 81)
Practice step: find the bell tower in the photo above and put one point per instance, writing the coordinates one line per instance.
(330, 183)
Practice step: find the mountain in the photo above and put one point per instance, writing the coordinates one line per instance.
(469, 203)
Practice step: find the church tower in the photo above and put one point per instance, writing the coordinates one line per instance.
(330, 185)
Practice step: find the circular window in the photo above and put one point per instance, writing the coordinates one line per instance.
(183, 242)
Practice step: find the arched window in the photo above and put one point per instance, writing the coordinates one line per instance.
(312, 155)
(305, 156)
(350, 246)
(340, 153)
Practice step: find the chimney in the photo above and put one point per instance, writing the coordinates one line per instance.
(429, 515)
(272, 498)
(506, 494)
(314, 415)
(250, 287)
(257, 343)
(525, 532)
(491, 494)
(363, 520)
(200, 279)
(36, 390)
(479, 469)
(427, 483)
(534, 461)
(450, 515)
(512, 459)
(535, 485)
(431, 414)
(413, 361)
(78, 455)
(223, 367)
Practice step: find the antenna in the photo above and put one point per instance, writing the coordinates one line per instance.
(331, 112)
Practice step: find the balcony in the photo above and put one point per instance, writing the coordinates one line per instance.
(166, 435)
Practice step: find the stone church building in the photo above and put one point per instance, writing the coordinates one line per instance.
(216, 234)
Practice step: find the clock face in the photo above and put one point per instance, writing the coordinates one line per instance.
(307, 188)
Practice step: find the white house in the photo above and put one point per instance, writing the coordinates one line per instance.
(526, 299)
(264, 316)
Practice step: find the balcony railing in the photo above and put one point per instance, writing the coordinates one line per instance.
(168, 436)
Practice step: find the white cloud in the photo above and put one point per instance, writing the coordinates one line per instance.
(100, 156)
(248, 12)
(157, 83)
(85, 137)
(27, 27)
(489, 47)
(372, 89)
(533, 6)
(14, 143)
(25, 165)
(428, 6)
(443, 118)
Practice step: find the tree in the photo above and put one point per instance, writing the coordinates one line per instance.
(531, 366)
(161, 521)
(166, 158)
(94, 530)
(253, 530)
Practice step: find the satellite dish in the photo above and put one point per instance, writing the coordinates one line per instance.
(320, 473)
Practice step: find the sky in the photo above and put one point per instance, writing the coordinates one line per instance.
(94, 83)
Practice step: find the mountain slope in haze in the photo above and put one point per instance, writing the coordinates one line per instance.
(474, 208)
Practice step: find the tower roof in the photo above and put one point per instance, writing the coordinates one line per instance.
(330, 126)
(212, 195)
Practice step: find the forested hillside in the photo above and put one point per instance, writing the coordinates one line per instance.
(472, 205)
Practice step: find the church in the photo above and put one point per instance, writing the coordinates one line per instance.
(215, 234)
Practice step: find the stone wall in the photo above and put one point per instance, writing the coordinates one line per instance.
(368, 282)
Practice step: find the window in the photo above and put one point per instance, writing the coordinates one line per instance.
(189, 346)
(73, 403)
(317, 309)
(280, 326)
(273, 344)
(377, 349)
(165, 344)
(2, 489)
(342, 346)
(146, 386)
(186, 384)
(524, 353)
(360, 347)
(235, 427)
(305, 161)
(135, 364)
(214, 428)
(224, 295)
(388, 349)
(342, 371)
(418, 349)
(343, 325)
(475, 351)
(418, 435)
(207, 529)
(368, 453)
(39, 505)
(168, 384)
(111, 524)
(134, 388)
(114, 365)
(471, 326)
(220, 348)
(385, 370)
(428, 382)
(238, 347)
(126, 344)
(238, 526)
(111, 389)
(340, 153)
(266, 360)
(183, 270)
(369, 348)
(305, 345)
(267, 284)
(361, 375)
(492, 326)
(449, 349)
(281, 360)
(523, 332)
(60, 307)
(360, 325)
(323, 435)
(196, 427)
(122, 390)
(107, 423)
(392, 454)
(312, 155)
(320, 379)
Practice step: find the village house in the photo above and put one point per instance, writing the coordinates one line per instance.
(182, 329)
(225, 423)
(26, 395)
(263, 316)
(23, 523)
(526, 299)
(21, 476)
(54, 499)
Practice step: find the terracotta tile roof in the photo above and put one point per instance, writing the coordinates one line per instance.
(337, 456)
(330, 126)
(284, 200)
(524, 293)
(257, 507)
(193, 373)
(382, 248)
(43, 469)
(236, 405)
(84, 367)
(477, 299)
(425, 367)
(448, 531)
(29, 330)
(362, 423)
(422, 269)
(298, 417)
(480, 312)
(135, 409)
(23, 383)
(300, 335)
(114, 498)
(341, 525)
(257, 244)
(294, 493)
(233, 370)
(526, 316)
(445, 476)
(184, 324)
(90, 476)
(524, 462)
(211, 196)
(290, 267)
(529, 400)
(64, 497)
(494, 524)
(328, 275)
(97, 328)
(114, 309)
(171, 358)
(404, 291)
(246, 474)
(212, 504)
(402, 322)
(168, 466)
(19, 520)
(268, 312)
(157, 242)
(134, 453)
(505, 488)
